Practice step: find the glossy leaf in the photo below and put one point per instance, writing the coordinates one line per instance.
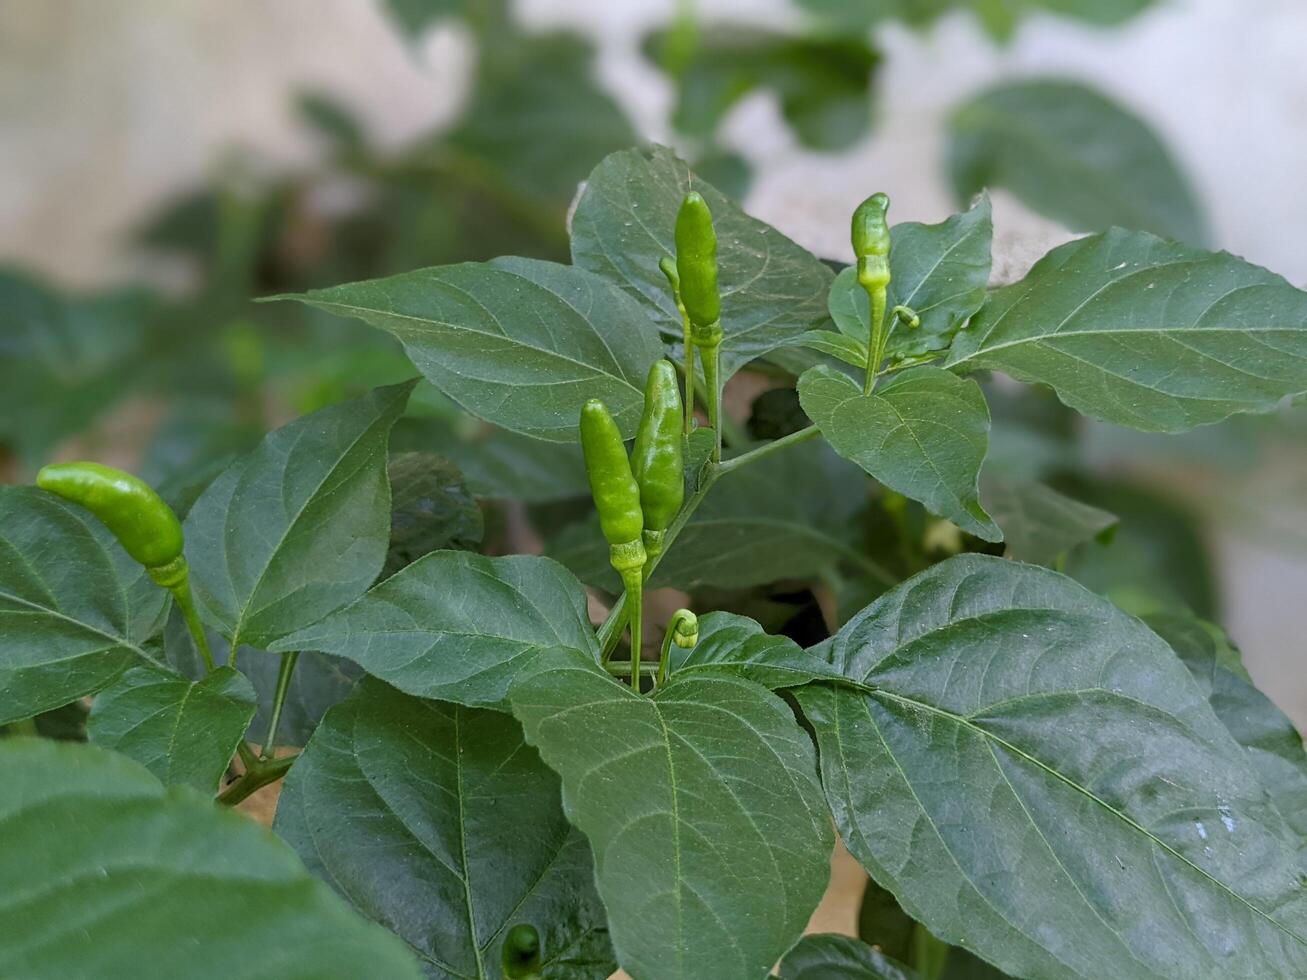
(438, 823)
(104, 873)
(772, 289)
(833, 957)
(701, 804)
(1039, 780)
(923, 433)
(736, 646)
(939, 271)
(457, 626)
(1273, 744)
(299, 526)
(1074, 155)
(1039, 524)
(1145, 333)
(184, 732)
(518, 342)
(75, 610)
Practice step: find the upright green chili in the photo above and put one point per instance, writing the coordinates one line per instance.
(871, 246)
(668, 266)
(657, 461)
(696, 266)
(142, 522)
(617, 499)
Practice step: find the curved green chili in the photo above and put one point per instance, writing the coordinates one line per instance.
(683, 630)
(657, 461)
(871, 247)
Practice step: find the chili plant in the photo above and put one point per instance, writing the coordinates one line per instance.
(1039, 782)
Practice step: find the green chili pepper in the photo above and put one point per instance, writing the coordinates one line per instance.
(521, 957)
(657, 461)
(696, 265)
(144, 525)
(683, 630)
(668, 266)
(140, 520)
(617, 498)
(871, 246)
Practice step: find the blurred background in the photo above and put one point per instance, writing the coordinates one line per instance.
(163, 163)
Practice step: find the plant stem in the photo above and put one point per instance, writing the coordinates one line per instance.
(288, 661)
(253, 780)
(633, 580)
(879, 335)
(712, 358)
(185, 602)
(689, 369)
(767, 448)
(622, 668)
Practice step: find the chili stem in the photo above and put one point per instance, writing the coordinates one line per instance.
(711, 358)
(288, 661)
(633, 580)
(253, 780)
(879, 335)
(182, 596)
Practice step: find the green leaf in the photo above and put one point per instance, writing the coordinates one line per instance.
(772, 289)
(883, 923)
(457, 626)
(319, 681)
(299, 526)
(712, 844)
(1273, 744)
(183, 732)
(1071, 154)
(850, 350)
(75, 610)
(1038, 779)
(518, 342)
(939, 271)
(1039, 524)
(414, 16)
(922, 433)
(104, 873)
(833, 957)
(737, 646)
(430, 509)
(1145, 333)
(437, 822)
(786, 516)
(822, 81)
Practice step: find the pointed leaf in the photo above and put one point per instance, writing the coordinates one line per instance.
(438, 823)
(104, 873)
(737, 646)
(184, 732)
(518, 342)
(1038, 779)
(299, 526)
(1145, 333)
(772, 289)
(832, 957)
(75, 610)
(712, 844)
(457, 626)
(1074, 155)
(939, 271)
(923, 433)
(1039, 524)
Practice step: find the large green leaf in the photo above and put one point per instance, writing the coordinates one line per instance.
(1145, 333)
(1038, 779)
(457, 626)
(437, 822)
(75, 610)
(1273, 744)
(1039, 524)
(789, 515)
(730, 645)
(104, 873)
(1072, 154)
(923, 432)
(299, 526)
(518, 342)
(833, 957)
(711, 841)
(939, 271)
(772, 289)
(184, 732)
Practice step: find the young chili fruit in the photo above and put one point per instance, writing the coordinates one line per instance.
(696, 264)
(657, 461)
(871, 246)
(520, 959)
(683, 630)
(145, 526)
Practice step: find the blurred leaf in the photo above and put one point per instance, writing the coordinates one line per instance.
(430, 509)
(822, 82)
(1073, 155)
(772, 289)
(833, 957)
(1039, 524)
